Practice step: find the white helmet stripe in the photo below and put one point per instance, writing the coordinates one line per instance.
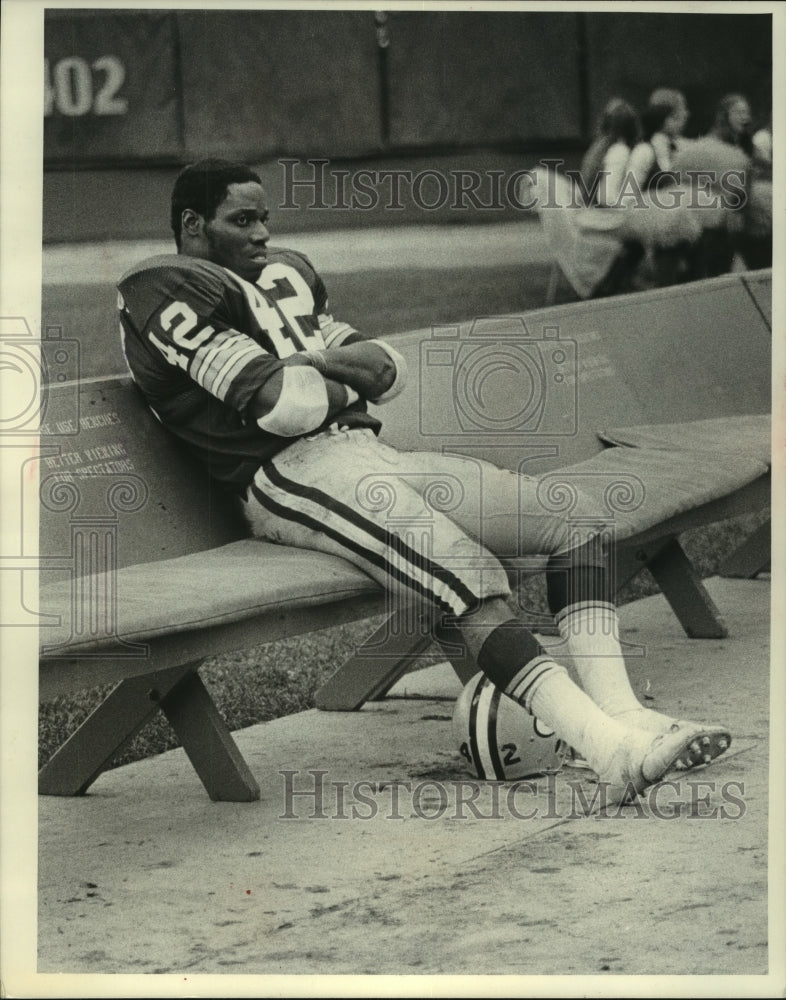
(485, 739)
(477, 690)
(491, 732)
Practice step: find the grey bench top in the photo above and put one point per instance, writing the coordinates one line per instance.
(633, 489)
(241, 580)
(741, 435)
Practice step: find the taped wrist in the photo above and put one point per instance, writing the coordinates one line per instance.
(400, 379)
(317, 360)
(302, 405)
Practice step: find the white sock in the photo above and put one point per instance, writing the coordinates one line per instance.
(591, 633)
(546, 691)
(648, 719)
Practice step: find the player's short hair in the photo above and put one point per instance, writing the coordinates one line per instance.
(667, 97)
(203, 186)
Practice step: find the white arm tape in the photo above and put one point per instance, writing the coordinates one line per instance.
(400, 380)
(352, 396)
(302, 405)
(334, 332)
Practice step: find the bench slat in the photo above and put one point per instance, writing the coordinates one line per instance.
(65, 673)
(245, 579)
(748, 435)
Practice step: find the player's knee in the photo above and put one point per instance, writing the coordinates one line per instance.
(484, 579)
(494, 583)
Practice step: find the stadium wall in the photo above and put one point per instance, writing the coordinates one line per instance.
(129, 91)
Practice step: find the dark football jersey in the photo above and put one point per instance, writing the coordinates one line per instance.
(199, 342)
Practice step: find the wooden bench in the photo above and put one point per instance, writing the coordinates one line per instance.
(146, 570)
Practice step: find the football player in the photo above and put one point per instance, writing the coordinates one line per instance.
(233, 345)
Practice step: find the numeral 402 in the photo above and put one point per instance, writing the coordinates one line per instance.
(74, 87)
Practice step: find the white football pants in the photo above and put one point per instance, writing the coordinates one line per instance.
(420, 523)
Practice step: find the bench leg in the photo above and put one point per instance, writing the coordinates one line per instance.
(377, 664)
(105, 732)
(454, 648)
(680, 584)
(752, 556)
(555, 276)
(208, 742)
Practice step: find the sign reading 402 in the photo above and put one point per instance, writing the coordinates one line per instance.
(75, 87)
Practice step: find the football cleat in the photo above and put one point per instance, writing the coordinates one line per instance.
(708, 742)
(633, 768)
(712, 740)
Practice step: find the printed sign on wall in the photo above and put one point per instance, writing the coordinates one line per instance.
(110, 87)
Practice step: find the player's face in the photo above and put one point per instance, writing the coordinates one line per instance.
(237, 235)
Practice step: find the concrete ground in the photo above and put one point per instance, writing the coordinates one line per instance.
(393, 873)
